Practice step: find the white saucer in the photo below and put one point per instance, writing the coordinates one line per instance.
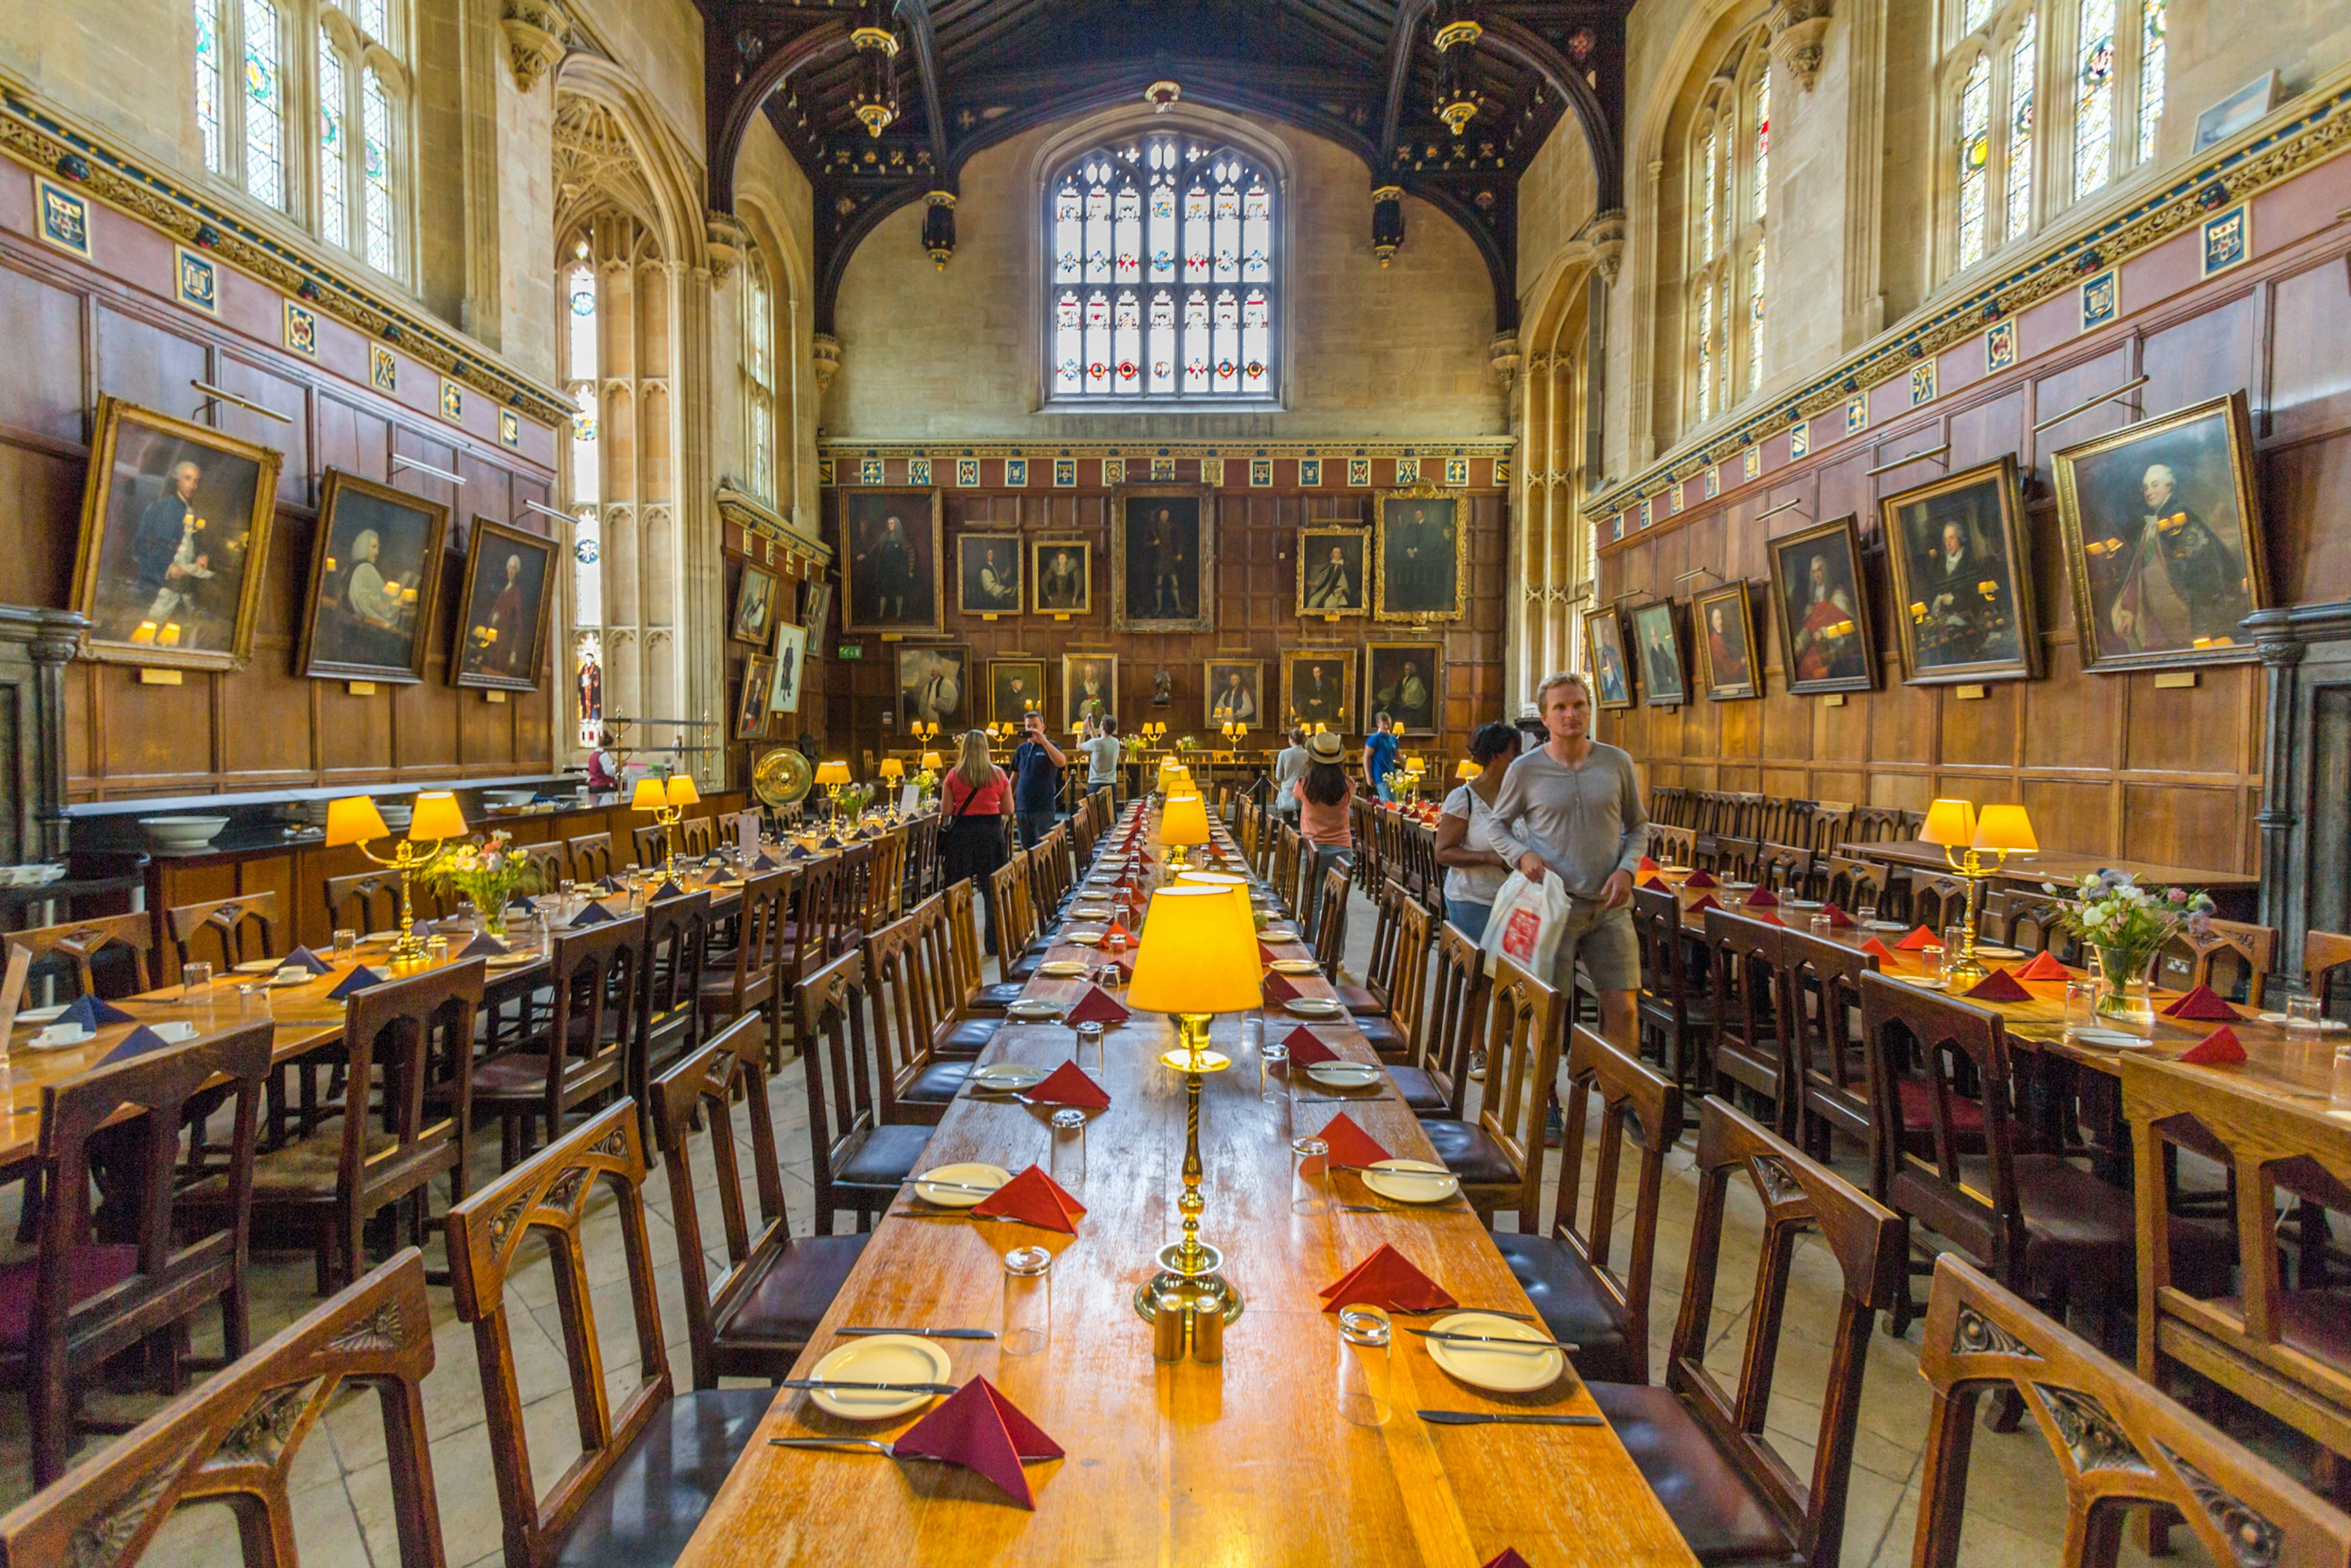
(282, 978)
(257, 967)
(1345, 1074)
(513, 960)
(60, 1037)
(2113, 1039)
(1986, 952)
(881, 1358)
(1061, 968)
(1412, 1181)
(1295, 966)
(1313, 1006)
(2326, 1026)
(1924, 982)
(968, 1174)
(1883, 926)
(1009, 1077)
(1034, 1009)
(1491, 1367)
(43, 1015)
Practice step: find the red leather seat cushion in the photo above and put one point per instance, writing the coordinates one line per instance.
(792, 1297)
(662, 1486)
(1707, 1498)
(1469, 1153)
(1575, 1306)
(1421, 1091)
(92, 1269)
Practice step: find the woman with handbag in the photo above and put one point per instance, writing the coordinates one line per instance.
(977, 800)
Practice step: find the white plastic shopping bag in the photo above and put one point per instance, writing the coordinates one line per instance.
(1526, 924)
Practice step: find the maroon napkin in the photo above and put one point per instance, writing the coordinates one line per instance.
(1069, 1085)
(1386, 1279)
(2044, 967)
(1767, 918)
(1918, 939)
(1878, 950)
(1035, 1198)
(1646, 865)
(1097, 1006)
(1507, 1558)
(1836, 916)
(1697, 879)
(977, 1428)
(2220, 1046)
(2203, 1005)
(1306, 1048)
(1265, 955)
(2000, 985)
(1704, 900)
(1762, 898)
(1351, 1147)
(1278, 989)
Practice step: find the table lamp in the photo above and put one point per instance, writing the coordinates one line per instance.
(832, 775)
(1183, 822)
(1198, 958)
(354, 819)
(667, 802)
(1466, 770)
(1966, 836)
(930, 761)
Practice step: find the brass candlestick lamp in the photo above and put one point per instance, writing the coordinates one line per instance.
(1966, 837)
(1183, 822)
(1198, 958)
(354, 819)
(1465, 770)
(667, 802)
(832, 775)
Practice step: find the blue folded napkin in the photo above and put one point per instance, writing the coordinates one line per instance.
(525, 904)
(609, 883)
(137, 1042)
(829, 843)
(799, 852)
(590, 915)
(764, 864)
(307, 960)
(88, 1012)
(483, 946)
(352, 984)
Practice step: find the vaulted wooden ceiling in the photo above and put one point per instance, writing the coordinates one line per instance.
(969, 73)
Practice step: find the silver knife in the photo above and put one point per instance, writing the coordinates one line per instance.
(1451, 1337)
(871, 1387)
(1487, 1417)
(926, 1333)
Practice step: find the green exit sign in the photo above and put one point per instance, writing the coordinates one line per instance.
(852, 650)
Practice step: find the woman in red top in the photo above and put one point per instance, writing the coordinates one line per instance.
(977, 800)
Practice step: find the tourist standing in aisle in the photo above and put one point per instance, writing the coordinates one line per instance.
(1326, 801)
(977, 802)
(1474, 874)
(1037, 765)
(1102, 752)
(1380, 749)
(1290, 771)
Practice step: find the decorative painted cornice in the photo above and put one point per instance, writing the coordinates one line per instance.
(1486, 446)
(36, 135)
(754, 516)
(2256, 162)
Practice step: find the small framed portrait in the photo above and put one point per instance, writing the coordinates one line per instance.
(1015, 687)
(1962, 578)
(758, 684)
(987, 574)
(791, 668)
(1612, 678)
(932, 682)
(375, 575)
(2163, 539)
(1825, 640)
(1406, 682)
(1163, 548)
(1236, 692)
(815, 609)
(508, 587)
(174, 536)
(1063, 572)
(755, 605)
(1422, 551)
(1722, 630)
(1331, 571)
(890, 549)
(1656, 633)
(1088, 689)
(1318, 686)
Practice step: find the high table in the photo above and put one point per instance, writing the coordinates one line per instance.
(1247, 1461)
(2235, 893)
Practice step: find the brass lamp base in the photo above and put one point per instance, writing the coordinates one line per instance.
(1190, 1268)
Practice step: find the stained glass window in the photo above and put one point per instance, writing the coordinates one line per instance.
(587, 491)
(1975, 158)
(208, 82)
(1164, 278)
(334, 213)
(2151, 20)
(2094, 97)
(2020, 67)
(1974, 15)
(265, 105)
(1755, 317)
(375, 130)
(759, 377)
(1705, 347)
(1762, 170)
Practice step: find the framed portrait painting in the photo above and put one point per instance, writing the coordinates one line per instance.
(1331, 561)
(1088, 689)
(1406, 682)
(507, 591)
(375, 578)
(1657, 634)
(1163, 550)
(1826, 641)
(815, 609)
(2163, 539)
(1063, 572)
(751, 713)
(890, 550)
(933, 681)
(1611, 676)
(755, 605)
(1236, 689)
(174, 536)
(987, 574)
(1962, 578)
(1421, 554)
(1318, 686)
(791, 668)
(1016, 687)
(1722, 631)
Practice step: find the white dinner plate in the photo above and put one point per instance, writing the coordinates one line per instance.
(1061, 968)
(969, 1173)
(513, 960)
(256, 967)
(1295, 966)
(1009, 1077)
(1984, 952)
(1885, 925)
(1313, 1006)
(1492, 1367)
(1345, 1074)
(1924, 982)
(381, 936)
(2112, 1038)
(43, 1015)
(1412, 1181)
(1281, 933)
(1799, 903)
(2326, 1025)
(1083, 939)
(880, 1358)
(1034, 1009)
(1675, 870)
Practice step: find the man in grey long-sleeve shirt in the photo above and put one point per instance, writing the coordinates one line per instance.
(1571, 810)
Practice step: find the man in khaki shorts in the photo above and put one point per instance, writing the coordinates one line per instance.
(1572, 809)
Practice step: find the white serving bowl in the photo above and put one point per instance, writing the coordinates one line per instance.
(183, 832)
(509, 799)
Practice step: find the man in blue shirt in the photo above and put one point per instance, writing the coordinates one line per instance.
(1036, 779)
(1380, 749)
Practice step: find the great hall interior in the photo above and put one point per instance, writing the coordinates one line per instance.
(1449, 782)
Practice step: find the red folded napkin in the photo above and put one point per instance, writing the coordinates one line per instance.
(1645, 864)
(1697, 879)
(1035, 1198)
(1878, 950)
(1508, 1557)
(1069, 1085)
(1703, 901)
(1651, 879)
(1351, 1147)
(1836, 916)
(1306, 1048)
(977, 1428)
(1386, 1279)
(1762, 898)
(2203, 1005)
(2043, 968)
(2000, 985)
(1265, 955)
(2220, 1046)
(1278, 989)
(1919, 937)
(1116, 929)
(1097, 1006)
(1767, 918)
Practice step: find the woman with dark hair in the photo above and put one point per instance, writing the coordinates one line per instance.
(1326, 797)
(1474, 874)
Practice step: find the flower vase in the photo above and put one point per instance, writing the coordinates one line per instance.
(2126, 981)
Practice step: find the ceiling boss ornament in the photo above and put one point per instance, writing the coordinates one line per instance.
(874, 100)
(1455, 39)
(1162, 95)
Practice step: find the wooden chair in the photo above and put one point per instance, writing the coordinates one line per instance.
(1567, 1274)
(671, 945)
(858, 1161)
(697, 837)
(1331, 922)
(958, 1031)
(886, 894)
(110, 955)
(1851, 884)
(1878, 825)
(225, 932)
(2234, 959)
(549, 866)
(923, 857)
(100, 1282)
(1455, 1033)
(917, 1085)
(591, 856)
(1820, 1013)
(1749, 1052)
(1675, 1008)
(367, 901)
(1289, 848)
(1428, 1085)
(649, 844)
(1785, 868)
(981, 996)
(752, 979)
(235, 1441)
(583, 1050)
(1498, 1158)
(650, 1459)
(2027, 920)
(1672, 846)
(1702, 1446)
(853, 897)
(815, 930)
(757, 1316)
(1936, 902)
(2118, 1441)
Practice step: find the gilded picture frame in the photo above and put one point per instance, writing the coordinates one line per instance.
(1962, 577)
(751, 711)
(1062, 577)
(893, 580)
(504, 599)
(1407, 680)
(1611, 672)
(1820, 599)
(1318, 686)
(1162, 558)
(1658, 648)
(1015, 685)
(351, 628)
(1334, 569)
(1722, 635)
(986, 558)
(1088, 689)
(1233, 690)
(1420, 555)
(754, 617)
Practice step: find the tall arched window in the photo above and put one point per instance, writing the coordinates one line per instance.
(362, 86)
(759, 377)
(1163, 282)
(1975, 159)
(586, 493)
(1728, 170)
(244, 125)
(2023, 60)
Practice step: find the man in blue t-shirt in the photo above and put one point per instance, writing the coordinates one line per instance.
(1380, 749)
(1036, 779)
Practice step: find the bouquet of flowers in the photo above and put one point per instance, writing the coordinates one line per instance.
(1132, 746)
(926, 784)
(852, 799)
(2127, 925)
(490, 872)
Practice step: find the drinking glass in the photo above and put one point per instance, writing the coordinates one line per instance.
(252, 1001)
(1066, 1158)
(2081, 1007)
(1954, 943)
(2301, 1011)
(1272, 1085)
(1362, 1380)
(1309, 1177)
(1931, 958)
(1089, 1037)
(1865, 913)
(1819, 925)
(1253, 1032)
(195, 977)
(436, 949)
(347, 945)
(1028, 1299)
(2341, 1087)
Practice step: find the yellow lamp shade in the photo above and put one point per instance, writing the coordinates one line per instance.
(2006, 828)
(681, 791)
(1466, 770)
(832, 773)
(437, 817)
(353, 820)
(1198, 954)
(649, 797)
(892, 768)
(930, 761)
(1952, 823)
(1185, 820)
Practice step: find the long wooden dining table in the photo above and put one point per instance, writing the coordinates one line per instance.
(1245, 1461)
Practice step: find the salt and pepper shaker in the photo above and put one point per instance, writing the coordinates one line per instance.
(1208, 1333)
(1169, 1326)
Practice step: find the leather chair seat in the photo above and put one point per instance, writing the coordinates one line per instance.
(1575, 1306)
(937, 1084)
(997, 997)
(964, 1037)
(2080, 1229)
(656, 1494)
(1917, 1097)
(1361, 1000)
(882, 1157)
(1382, 1036)
(1023, 966)
(1703, 1492)
(1469, 1153)
(1423, 1092)
(91, 1269)
(795, 1293)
